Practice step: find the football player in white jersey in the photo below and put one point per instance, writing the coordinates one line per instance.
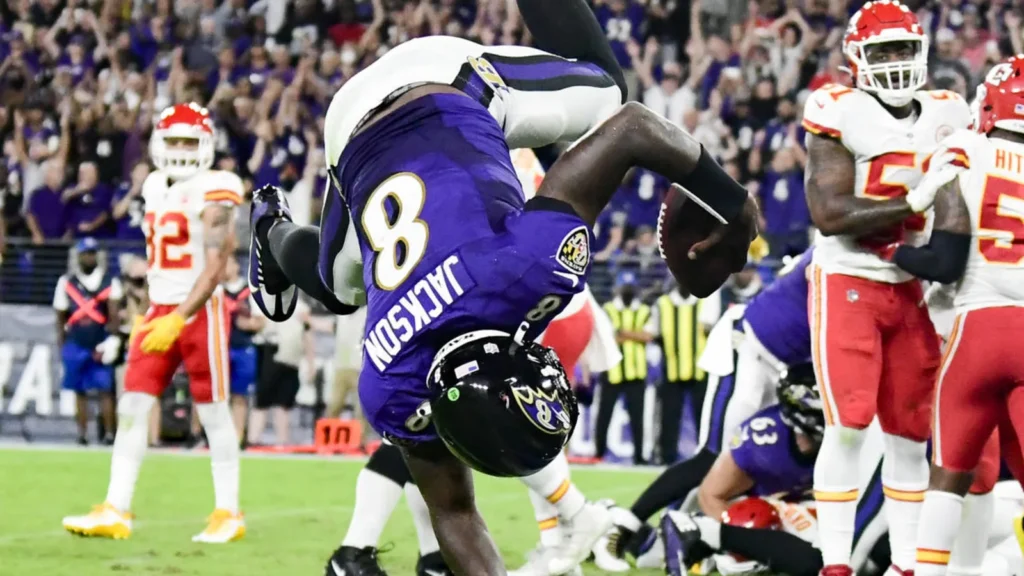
(872, 343)
(980, 380)
(189, 227)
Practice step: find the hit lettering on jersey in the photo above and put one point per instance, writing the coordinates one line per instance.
(889, 155)
(174, 229)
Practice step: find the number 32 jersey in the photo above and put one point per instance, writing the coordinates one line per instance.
(174, 228)
(993, 189)
(889, 156)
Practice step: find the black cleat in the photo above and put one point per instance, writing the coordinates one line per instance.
(432, 564)
(270, 288)
(683, 546)
(350, 561)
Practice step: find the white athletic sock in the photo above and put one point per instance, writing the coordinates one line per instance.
(421, 519)
(836, 473)
(971, 543)
(376, 498)
(553, 483)
(940, 522)
(547, 520)
(224, 453)
(904, 481)
(710, 531)
(129, 448)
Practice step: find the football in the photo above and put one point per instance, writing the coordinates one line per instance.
(682, 223)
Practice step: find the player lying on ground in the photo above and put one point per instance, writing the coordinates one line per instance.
(980, 381)
(773, 332)
(190, 235)
(460, 273)
(762, 534)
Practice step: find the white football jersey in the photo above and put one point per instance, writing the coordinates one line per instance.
(174, 228)
(993, 188)
(889, 154)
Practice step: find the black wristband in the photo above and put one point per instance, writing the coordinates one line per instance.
(716, 189)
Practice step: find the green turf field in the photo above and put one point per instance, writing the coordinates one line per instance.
(296, 511)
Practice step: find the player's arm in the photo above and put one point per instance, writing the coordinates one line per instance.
(829, 187)
(725, 481)
(219, 246)
(587, 175)
(944, 258)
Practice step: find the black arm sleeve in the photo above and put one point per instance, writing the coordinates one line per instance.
(297, 248)
(781, 551)
(942, 260)
(569, 29)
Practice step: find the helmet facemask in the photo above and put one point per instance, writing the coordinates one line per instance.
(892, 67)
(182, 151)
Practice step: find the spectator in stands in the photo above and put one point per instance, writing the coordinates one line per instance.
(947, 69)
(668, 95)
(128, 210)
(628, 378)
(46, 215)
(88, 204)
(787, 218)
(87, 301)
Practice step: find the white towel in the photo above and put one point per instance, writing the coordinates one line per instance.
(717, 358)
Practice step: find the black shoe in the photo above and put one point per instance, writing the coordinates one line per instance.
(108, 440)
(349, 561)
(683, 546)
(83, 441)
(270, 288)
(432, 564)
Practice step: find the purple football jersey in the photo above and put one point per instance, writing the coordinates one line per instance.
(449, 243)
(778, 315)
(765, 449)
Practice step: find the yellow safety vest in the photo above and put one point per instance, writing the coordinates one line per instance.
(633, 365)
(682, 339)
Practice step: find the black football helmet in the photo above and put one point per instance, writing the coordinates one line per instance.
(503, 407)
(800, 401)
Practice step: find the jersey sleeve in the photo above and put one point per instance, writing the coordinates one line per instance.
(60, 295)
(825, 111)
(223, 188)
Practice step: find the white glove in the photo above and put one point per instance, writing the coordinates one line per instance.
(109, 349)
(941, 171)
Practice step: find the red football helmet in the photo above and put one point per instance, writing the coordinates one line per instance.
(182, 142)
(999, 100)
(748, 513)
(886, 22)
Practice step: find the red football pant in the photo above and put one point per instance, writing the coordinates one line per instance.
(875, 352)
(980, 389)
(202, 346)
(569, 337)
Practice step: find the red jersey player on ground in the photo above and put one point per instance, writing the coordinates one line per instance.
(189, 227)
(981, 379)
(873, 345)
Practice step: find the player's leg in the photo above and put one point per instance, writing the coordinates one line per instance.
(146, 376)
(243, 373)
(966, 413)
(205, 355)
(447, 487)
(846, 348)
(73, 361)
(972, 542)
(378, 489)
(580, 522)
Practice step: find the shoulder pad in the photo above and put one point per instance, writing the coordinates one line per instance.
(827, 108)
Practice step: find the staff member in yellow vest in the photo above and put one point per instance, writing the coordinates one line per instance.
(628, 378)
(680, 323)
